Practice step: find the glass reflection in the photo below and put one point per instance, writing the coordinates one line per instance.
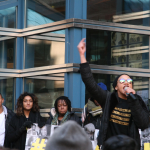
(46, 90)
(45, 11)
(44, 53)
(135, 12)
(7, 90)
(117, 49)
(8, 17)
(7, 54)
(140, 85)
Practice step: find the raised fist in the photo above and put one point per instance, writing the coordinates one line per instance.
(82, 47)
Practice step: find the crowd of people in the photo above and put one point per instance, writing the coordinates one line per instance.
(117, 115)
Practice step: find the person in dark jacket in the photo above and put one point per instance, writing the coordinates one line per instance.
(5, 117)
(27, 114)
(122, 114)
(93, 113)
(62, 112)
(94, 110)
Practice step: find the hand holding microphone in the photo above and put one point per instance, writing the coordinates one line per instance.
(129, 92)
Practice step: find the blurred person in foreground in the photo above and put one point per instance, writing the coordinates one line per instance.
(124, 112)
(120, 142)
(27, 114)
(69, 136)
(62, 112)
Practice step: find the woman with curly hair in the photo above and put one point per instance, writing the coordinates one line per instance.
(27, 114)
(62, 112)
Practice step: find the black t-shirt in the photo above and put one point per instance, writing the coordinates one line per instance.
(120, 119)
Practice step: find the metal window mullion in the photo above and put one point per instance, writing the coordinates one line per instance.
(14, 82)
(23, 84)
(24, 51)
(51, 67)
(16, 54)
(25, 13)
(47, 78)
(16, 16)
(116, 72)
(111, 28)
(46, 72)
(117, 25)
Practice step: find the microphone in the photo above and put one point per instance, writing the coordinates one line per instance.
(130, 94)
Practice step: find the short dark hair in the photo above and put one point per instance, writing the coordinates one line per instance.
(120, 142)
(1, 95)
(66, 99)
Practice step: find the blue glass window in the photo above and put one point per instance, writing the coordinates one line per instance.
(46, 90)
(117, 49)
(7, 53)
(45, 52)
(7, 91)
(43, 12)
(135, 12)
(8, 17)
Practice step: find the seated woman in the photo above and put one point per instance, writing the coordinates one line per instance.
(27, 114)
(62, 112)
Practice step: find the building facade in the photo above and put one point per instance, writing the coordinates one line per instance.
(38, 47)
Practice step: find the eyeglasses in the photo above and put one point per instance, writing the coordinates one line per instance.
(123, 80)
